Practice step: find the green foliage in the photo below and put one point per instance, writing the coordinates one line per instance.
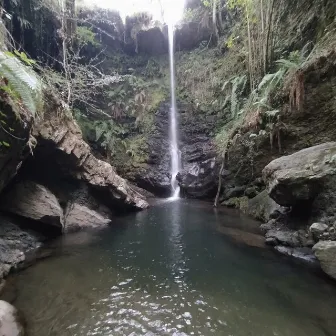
(129, 98)
(238, 3)
(135, 98)
(257, 109)
(238, 86)
(271, 82)
(86, 36)
(20, 82)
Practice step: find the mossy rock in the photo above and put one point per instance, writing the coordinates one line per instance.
(237, 203)
(261, 207)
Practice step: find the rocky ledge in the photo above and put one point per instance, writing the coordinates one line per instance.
(296, 200)
(60, 141)
(50, 177)
(17, 246)
(302, 187)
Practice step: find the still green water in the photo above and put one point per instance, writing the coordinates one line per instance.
(169, 271)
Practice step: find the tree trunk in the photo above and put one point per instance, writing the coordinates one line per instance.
(214, 19)
(71, 26)
(269, 28)
(67, 5)
(249, 50)
(220, 181)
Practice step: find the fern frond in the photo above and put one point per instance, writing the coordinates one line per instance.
(265, 81)
(287, 63)
(22, 81)
(238, 86)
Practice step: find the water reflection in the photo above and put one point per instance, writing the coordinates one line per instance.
(178, 261)
(167, 271)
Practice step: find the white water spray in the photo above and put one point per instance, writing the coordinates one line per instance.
(174, 150)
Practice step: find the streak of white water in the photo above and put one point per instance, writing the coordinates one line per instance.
(174, 149)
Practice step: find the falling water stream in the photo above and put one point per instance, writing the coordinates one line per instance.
(174, 149)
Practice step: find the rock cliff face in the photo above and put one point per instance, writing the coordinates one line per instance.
(12, 156)
(63, 182)
(198, 177)
(60, 142)
(61, 188)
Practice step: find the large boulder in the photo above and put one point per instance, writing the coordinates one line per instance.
(325, 252)
(307, 178)
(318, 229)
(34, 201)
(10, 324)
(78, 216)
(282, 237)
(263, 208)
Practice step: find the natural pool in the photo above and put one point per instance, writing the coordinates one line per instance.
(169, 271)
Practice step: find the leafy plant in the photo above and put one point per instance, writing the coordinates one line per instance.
(20, 82)
(235, 87)
(86, 36)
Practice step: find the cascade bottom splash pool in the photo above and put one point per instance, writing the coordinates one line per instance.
(168, 271)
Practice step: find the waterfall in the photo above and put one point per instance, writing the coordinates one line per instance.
(173, 134)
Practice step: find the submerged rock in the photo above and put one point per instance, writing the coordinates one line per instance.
(34, 201)
(282, 237)
(325, 252)
(303, 253)
(10, 324)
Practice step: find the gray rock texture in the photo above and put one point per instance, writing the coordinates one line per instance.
(10, 324)
(31, 200)
(325, 252)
